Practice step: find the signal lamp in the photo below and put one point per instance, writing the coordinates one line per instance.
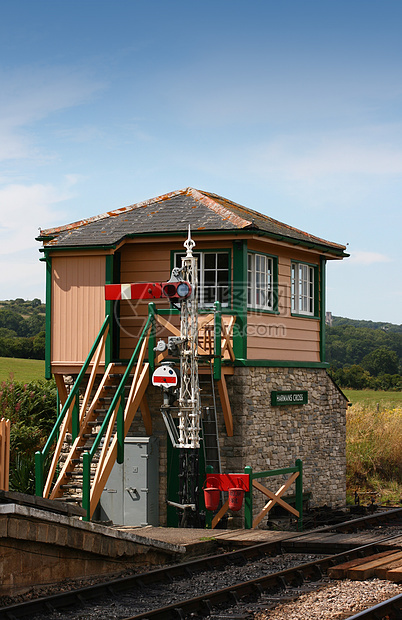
(176, 291)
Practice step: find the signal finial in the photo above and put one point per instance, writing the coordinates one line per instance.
(189, 243)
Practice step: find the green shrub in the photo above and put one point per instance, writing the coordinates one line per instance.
(373, 446)
(32, 409)
(22, 474)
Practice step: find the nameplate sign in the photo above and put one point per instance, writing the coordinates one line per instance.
(289, 398)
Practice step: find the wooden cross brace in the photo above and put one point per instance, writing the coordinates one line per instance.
(275, 498)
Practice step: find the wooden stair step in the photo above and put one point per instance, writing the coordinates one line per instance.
(70, 498)
(78, 485)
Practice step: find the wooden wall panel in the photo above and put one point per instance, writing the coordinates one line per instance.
(283, 337)
(278, 337)
(146, 262)
(78, 307)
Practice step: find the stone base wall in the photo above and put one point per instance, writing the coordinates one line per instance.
(270, 437)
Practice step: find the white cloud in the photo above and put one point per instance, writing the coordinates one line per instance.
(22, 275)
(361, 257)
(30, 94)
(23, 210)
(316, 156)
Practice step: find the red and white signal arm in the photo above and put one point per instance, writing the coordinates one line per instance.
(164, 375)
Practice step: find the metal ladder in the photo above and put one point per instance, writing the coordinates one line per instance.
(212, 454)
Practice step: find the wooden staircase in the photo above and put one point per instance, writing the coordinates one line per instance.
(88, 437)
(68, 485)
(94, 426)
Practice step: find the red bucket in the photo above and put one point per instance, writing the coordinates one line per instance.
(236, 499)
(211, 497)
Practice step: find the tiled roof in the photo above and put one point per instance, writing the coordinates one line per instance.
(173, 213)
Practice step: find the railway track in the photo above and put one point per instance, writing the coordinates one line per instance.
(138, 592)
(390, 609)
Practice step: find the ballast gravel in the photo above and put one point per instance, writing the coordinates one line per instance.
(334, 602)
(149, 597)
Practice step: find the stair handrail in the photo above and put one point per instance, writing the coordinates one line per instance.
(41, 455)
(88, 456)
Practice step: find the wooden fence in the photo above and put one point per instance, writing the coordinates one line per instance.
(4, 453)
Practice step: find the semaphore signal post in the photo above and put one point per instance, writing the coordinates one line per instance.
(181, 290)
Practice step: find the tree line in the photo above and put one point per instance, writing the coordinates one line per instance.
(22, 329)
(361, 354)
(365, 354)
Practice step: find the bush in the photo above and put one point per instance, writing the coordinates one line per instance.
(22, 475)
(32, 409)
(374, 445)
(357, 378)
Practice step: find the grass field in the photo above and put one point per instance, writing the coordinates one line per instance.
(370, 398)
(21, 370)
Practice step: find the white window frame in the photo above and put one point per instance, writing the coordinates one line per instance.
(260, 281)
(303, 288)
(201, 256)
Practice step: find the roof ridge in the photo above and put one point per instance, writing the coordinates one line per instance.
(275, 221)
(114, 213)
(218, 208)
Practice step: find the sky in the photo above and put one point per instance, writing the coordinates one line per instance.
(290, 108)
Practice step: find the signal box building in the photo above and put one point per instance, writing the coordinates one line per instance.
(265, 394)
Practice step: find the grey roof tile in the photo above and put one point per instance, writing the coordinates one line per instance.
(173, 213)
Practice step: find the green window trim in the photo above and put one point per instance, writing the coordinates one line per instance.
(228, 251)
(262, 311)
(275, 290)
(323, 264)
(314, 317)
(240, 297)
(316, 292)
(48, 332)
(277, 363)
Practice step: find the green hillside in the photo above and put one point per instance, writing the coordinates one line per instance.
(22, 329)
(365, 354)
(21, 370)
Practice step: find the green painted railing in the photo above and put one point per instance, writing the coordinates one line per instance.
(40, 456)
(248, 497)
(87, 457)
(217, 341)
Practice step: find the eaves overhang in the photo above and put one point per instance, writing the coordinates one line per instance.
(336, 251)
(171, 214)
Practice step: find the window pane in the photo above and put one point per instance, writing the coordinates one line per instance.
(209, 278)
(223, 260)
(222, 277)
(302, 288)
(260, 283)
(210, 260)
(222, 294)
(209, 294)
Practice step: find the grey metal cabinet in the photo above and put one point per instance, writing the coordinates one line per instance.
(131, 494)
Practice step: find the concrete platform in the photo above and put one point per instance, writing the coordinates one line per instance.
(201, 541)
